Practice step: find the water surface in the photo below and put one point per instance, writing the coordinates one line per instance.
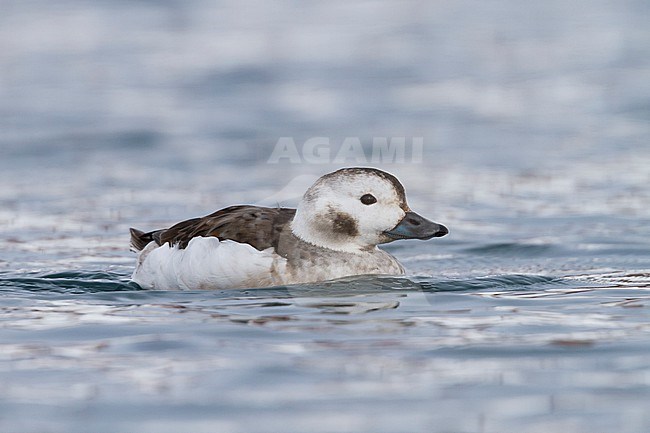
(533, 315)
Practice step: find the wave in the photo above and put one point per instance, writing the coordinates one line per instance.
(79, 282)
(68, 282)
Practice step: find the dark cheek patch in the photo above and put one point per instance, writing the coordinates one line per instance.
(344, 224)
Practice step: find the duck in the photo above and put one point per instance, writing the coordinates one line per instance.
(333, 233)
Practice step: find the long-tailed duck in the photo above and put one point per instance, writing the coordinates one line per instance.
(333, 233)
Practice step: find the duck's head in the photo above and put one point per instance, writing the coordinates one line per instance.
(355, 209)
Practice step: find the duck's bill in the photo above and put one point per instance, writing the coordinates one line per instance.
(414, 226)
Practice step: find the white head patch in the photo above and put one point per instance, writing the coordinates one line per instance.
(350, 209)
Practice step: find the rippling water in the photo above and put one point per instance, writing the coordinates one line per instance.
(533, 315)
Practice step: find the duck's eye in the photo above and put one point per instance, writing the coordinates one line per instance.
(368, 199)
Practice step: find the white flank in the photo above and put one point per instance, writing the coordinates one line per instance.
(206, 263)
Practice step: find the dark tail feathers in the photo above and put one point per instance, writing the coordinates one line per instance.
(140, 239)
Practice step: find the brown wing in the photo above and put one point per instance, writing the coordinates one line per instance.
(257, 226)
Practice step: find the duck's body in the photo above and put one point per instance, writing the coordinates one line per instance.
(333, 233)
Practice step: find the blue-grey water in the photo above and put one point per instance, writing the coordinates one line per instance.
(533, 315)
